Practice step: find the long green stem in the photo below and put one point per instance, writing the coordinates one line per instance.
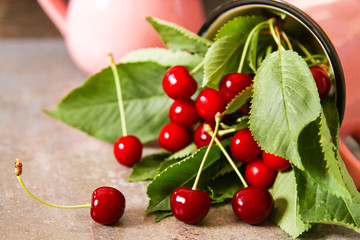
(197, 68)
(275, 35)
(285, 37)
(118, 92)
(217, 123)
(49, 204)
(248, 40)
(227, 156)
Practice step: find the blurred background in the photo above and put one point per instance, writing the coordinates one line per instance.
(25, 19)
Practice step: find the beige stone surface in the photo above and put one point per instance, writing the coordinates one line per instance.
(63, 165)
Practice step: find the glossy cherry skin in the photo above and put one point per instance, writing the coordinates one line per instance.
(183, 112)
(243, 147)
(189, 206)
(232, 84)
(322, 80)
(208, 103)
(201, 137)
(178, 83)
(252, 204)
(274, 162)
(257, 174)
(107, 205)
(173, 137)
(128, 150)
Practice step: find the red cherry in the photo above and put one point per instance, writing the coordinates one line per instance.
(128, 150)
(252, 204)
(257, 174)
(274, 162)
(201, 137)
(189, 206)
(107, 205)
(243, 147)
(232, 84)
(208, 103)
(173, 137)
(183, 112)
(178, 83)
(322, 80)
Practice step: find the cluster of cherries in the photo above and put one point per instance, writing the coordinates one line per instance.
(253, 203)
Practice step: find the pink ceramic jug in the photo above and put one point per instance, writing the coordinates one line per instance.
(92, 28)
(333, 28)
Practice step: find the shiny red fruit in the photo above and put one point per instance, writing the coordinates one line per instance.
(128, 150)
(178, 83)
(201, 137)
(232, 84)
(322, 80)
(252, 204)
(275, 162)
(189, 206)
(107, 205)
(257, 174)
(208, 103)
(183, 112)
(173, 137)
(243, 147)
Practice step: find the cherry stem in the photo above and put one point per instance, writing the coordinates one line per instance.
(217, 123)
(197, 68)
(248, 41)
(275, 34)
(18, 169)
(118, 92)
(286, 39)
(242, 179)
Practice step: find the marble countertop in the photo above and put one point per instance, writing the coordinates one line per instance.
(63, 165)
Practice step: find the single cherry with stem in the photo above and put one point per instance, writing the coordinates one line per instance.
(107, 203)
(128, 148)
(251, 204)
(192, 205)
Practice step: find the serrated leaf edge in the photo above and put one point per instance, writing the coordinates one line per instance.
(186, 33)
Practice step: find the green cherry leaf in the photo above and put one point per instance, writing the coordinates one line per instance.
(284, 101)
(238, 101)
(285, 213)
(316, 205)
(179, 38)
(147, 167)
(93, 107)
(224, 55)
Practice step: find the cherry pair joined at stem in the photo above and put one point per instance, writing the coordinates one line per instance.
(251, 204)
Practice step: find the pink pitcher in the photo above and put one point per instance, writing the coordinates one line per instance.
(92, 28)
(333, 26)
